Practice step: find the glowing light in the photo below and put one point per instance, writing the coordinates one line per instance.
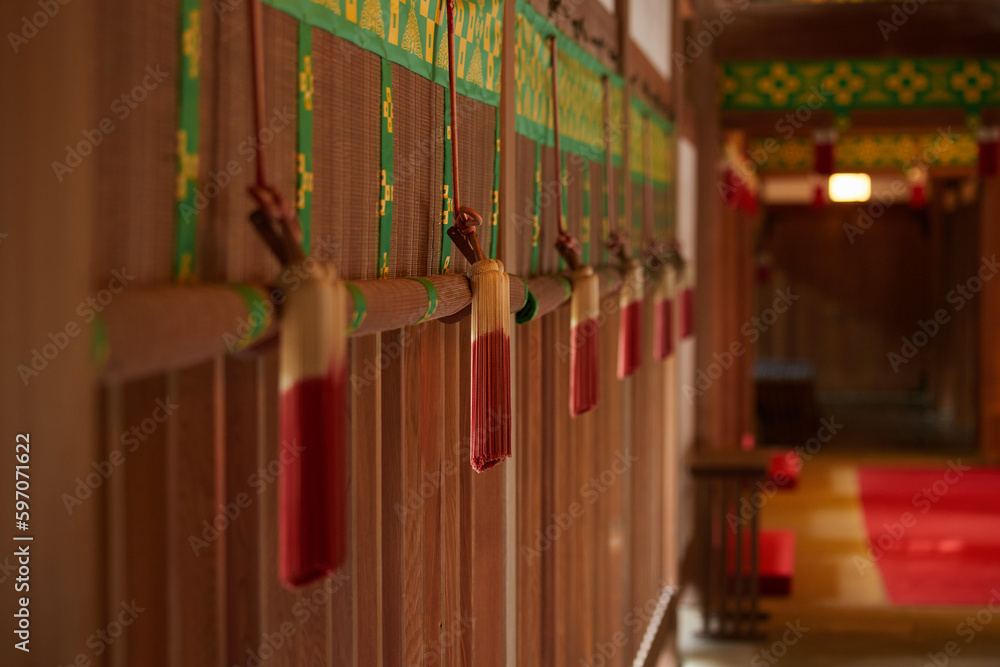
(850, 187)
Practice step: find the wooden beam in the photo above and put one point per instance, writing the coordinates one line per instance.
(799, 31)
(895, 121)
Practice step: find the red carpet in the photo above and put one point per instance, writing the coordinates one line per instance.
(935, 533)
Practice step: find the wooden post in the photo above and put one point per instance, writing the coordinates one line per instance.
(989, 327)
(45, 263)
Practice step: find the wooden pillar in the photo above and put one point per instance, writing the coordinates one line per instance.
(989, 327)
(45, 244)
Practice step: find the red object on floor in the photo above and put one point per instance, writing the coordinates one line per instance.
(933, 532)
(776, 562)
(784, 469)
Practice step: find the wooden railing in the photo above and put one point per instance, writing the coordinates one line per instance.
(728, 591)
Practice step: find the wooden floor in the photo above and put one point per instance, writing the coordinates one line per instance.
(849, 620)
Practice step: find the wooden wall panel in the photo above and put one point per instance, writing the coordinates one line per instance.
(195, 464)
(530, 485)
(456, 455)
(365, 436)
(428, 576)
(145, 515)
(244, 436)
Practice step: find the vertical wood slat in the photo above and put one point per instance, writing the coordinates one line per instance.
(145, 516)
(435, 472)
(467, 553)
(198, 519)
(365, 383)
(529, 497)
(244, 437)
(390, 493)
(614, 500)
(278, 602)
(115, 517)
(412, 567)
(456, 458)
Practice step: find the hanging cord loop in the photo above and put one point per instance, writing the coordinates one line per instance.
(273, 220)
(568, 246)
(463, 233)
(616, 241)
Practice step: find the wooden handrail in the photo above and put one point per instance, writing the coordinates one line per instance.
(155, 329)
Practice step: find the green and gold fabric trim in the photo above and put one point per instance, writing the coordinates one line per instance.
(185, 191)
(447, 207)
(258, 314)
(432, 298)
(536, 211)
(385, 192)
(605, 221)
(863, 152)
(360, 306)
(844, 85)
(564, 198)
(585, 215)
(495, 216)
(581, 89)
(304, 178)
(414, 35)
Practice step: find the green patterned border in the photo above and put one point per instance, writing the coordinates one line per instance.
(432, 298)
(536, 211)
(495, 217)
(413, 34)
(360, 306)
(186, 214)
(844, 85)
(385, 199)
(258, 313)
(581, 89)
(861, 152)
(304, 184)
(446, 199)
(585, 215)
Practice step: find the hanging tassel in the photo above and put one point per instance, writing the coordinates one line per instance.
(312, 487)
(823, 143)
(490, 357)
(663, 315)
(989, 150)
(584, 381)
(918, 188)
(687, 303)
(630, 321)
(312, 495)
(687, 312)
(819, 198)
(490, 401)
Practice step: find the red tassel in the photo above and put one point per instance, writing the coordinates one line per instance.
(989, 151)
(663, 315)
(918, 196)
(663, 326)
(630, 321)
(687, 312)
(312, 489)
(584, 360)
(748, 201)
(819, 200)
(823, 141)
(490, 413)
